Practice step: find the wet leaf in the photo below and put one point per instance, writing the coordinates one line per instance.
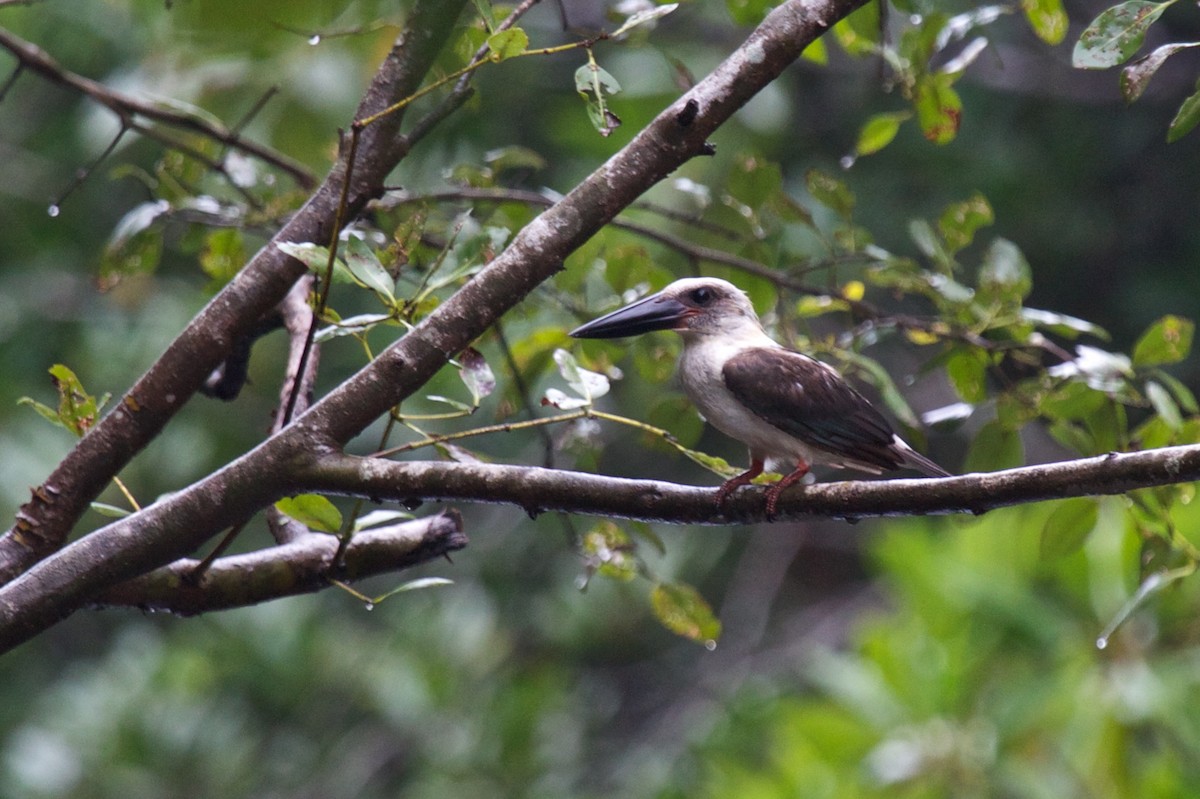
(1136, 77)
(1047, 18)
(995, 447)
(476, 374)
(367, 270)
(1186, 118)
(588, 384)
(684, 612)
(830, 192)
(1004, 276)
(644, 16)
(1169, 340)
(878, 131)
(959, 222)
(1068, 527)
(609, 551)
(595, 85)
(1116, 34)
(313, 511)
(507, 43)
(939, 109)
(1164, 405)
(77, 410)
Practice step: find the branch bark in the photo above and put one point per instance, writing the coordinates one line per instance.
(302, 566)
(537, 490)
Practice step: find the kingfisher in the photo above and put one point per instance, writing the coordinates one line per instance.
(785, 406)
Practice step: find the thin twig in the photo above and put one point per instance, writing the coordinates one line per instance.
(125, 106)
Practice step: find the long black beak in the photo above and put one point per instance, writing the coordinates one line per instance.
(656, 312)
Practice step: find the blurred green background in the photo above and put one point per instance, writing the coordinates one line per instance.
(914, 658)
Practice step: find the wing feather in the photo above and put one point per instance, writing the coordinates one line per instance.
(810, 401)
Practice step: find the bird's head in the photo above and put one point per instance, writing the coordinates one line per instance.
(692, 307)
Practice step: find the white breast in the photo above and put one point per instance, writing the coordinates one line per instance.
(700, 374)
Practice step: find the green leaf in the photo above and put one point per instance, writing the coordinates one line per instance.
(1169, 340)
(587, 384)
(939, 109)
(1164, 405)
(1116, 34)
(1136, 77)
(1004, 276)
(77, 410)
(858, 34)
(1068, 527)
(223, 255)
(476, 374)
(959, 221)
(644, 16)
(313, 511)
(412, 585)
(595, 85)
(1186, 118)
(879, 131)
(367, 270)
(995, 447)
(748, 12)
(507, 43)
(609, 551)
(1047, 18)
(1151, 585)
(684, 612)
(830, 192)
(111, 511)
(1183, 395)
(967, 370)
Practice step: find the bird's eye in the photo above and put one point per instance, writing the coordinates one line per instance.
(702, 295)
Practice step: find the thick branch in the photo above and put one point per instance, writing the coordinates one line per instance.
(300, 567)
(537, 490)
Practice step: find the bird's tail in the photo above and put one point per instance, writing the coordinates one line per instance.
(917, 461)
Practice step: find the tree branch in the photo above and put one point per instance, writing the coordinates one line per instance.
(127, 107)
(302, 566)
(537, 490)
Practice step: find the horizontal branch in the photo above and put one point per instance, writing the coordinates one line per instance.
(537, 490)
(302, 566)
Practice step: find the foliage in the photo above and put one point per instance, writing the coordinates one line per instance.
(981, 675)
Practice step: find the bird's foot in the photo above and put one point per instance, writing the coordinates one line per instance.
(788, 480)
(734, 483)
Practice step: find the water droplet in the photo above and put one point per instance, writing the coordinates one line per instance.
(847, 161)
(1102, 642)
(411, 503)
(315, 39)
(369, 605)
(710, 645)
(53, 210)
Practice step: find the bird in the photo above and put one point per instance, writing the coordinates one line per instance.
(785, 406)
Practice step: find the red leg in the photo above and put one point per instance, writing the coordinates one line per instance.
(774, 491)
(728, 487)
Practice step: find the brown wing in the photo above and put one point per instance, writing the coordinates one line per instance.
(808, 400)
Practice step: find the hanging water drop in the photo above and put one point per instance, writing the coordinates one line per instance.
(315, 39)
(1102, 642)
(369, 605)
(53, 210)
